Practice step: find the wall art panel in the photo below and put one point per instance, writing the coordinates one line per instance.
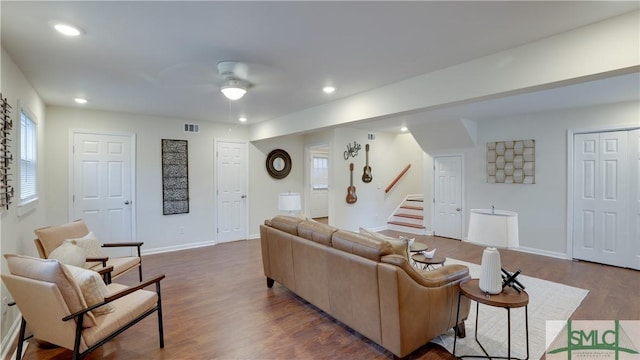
(175, 177)
(511, 162)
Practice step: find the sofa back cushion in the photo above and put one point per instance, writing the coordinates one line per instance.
(317, 232)
(362, 245)
(288, 224)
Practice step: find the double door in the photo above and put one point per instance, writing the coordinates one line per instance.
(606, 198)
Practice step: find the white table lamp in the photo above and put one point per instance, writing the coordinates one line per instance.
(289, 202)
(494, 228)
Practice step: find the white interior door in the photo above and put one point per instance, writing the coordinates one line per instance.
(448, 196)
(601, 198)
(231, 180)
(102, 178)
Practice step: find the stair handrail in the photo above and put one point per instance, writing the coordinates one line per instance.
(397, 178)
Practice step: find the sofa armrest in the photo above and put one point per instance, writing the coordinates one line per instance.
(442, 276)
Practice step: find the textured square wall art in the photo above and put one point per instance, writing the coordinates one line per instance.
(175, 177)
(511, 162)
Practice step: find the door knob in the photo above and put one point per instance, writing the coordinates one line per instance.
(126, 202)
(457, 209)
(243, 196)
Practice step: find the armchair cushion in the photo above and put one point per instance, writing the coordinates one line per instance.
(51, 271)
(90, 244)
(133, 304)
(93, 288)
(69, 254)
(53, 236)
(120, 264)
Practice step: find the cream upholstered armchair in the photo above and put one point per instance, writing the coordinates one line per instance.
(74, 244)
(72, 307)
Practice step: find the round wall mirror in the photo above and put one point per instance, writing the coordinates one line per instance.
(278, 164)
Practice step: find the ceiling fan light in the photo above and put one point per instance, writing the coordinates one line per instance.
(233, 89)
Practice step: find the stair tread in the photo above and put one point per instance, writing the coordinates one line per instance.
(400, 223)
(417, 200)
(410, 216)
(411, 207)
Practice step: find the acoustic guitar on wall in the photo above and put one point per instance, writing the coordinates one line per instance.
(366, 175)
(351, 190)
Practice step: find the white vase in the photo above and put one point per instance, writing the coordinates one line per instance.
(490, 273)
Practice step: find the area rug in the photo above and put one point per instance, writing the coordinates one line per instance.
(547, 301)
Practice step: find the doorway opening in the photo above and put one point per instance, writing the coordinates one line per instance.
(318, 184)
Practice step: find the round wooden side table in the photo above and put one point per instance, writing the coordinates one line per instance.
(428, 263)
(418, 246)
(508, 299)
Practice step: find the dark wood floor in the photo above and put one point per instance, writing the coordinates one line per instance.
(217, 306)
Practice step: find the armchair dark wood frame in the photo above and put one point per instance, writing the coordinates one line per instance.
(106, 274)
(79, 316)
(126, 244)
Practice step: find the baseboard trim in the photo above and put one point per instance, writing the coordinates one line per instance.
(10, 341)
(553, 254)
(178, 247)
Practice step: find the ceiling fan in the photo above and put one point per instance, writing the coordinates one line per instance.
(234, 75)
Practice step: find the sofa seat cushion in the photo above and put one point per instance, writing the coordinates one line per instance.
(288, 224)
(362, 245)
(317, 232)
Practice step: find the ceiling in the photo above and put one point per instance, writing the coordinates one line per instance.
(159, 58)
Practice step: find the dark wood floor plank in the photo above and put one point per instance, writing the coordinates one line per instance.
(217, 306)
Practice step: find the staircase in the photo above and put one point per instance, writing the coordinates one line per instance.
(408, 217)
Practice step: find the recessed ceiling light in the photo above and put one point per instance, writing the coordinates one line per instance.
(80, 100)
(403, 129)
(242, 119)
(67, 29)
(328, 89)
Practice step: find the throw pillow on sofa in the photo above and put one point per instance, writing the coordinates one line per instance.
(400, 246)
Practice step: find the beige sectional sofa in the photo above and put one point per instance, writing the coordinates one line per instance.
(359, 281)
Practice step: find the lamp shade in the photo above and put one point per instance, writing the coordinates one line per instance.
(495, 228)
(289, 202)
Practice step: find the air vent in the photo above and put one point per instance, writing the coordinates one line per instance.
(371, 137)
(192, 128)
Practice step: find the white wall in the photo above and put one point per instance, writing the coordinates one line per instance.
(16, 235)
(263, 189)
(541, 207)
(159, 232)
(388, 155)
